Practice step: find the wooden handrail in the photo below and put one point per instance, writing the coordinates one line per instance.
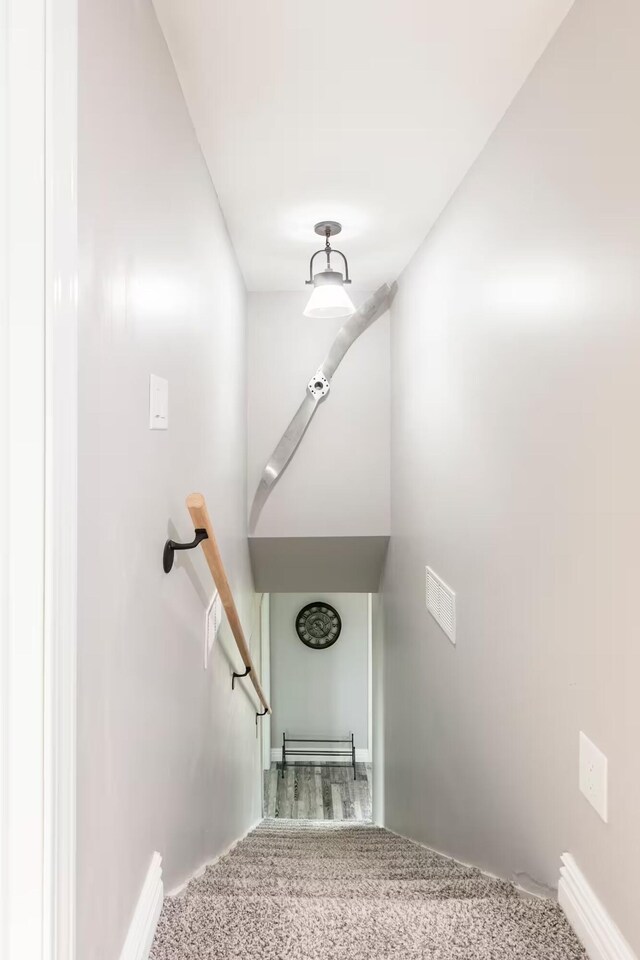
(201, 521)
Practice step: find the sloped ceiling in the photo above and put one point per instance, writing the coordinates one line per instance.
(365, 111)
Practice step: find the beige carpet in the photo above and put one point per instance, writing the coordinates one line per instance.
(312, 890)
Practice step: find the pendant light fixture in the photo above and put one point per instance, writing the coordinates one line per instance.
(329, 297)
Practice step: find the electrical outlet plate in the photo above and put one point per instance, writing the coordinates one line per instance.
(593, 776)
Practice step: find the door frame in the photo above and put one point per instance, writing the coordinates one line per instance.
(38, 486)
(61, 429)
(265, 676)
(370, 676)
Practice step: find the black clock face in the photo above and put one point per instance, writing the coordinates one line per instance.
(318, 625)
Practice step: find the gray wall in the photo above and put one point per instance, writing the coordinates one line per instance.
(338, 482)
(515, 475)
(168, 756)
(319, 691)
(297, 564)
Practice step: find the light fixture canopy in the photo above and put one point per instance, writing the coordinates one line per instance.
(329, 298)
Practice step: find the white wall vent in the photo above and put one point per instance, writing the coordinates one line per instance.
(441, 603)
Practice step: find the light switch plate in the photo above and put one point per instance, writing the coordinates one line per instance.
(593, 776)
(158, 403)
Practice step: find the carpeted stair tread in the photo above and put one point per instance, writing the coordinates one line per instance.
(312, 890)
(384, 869)
(334, 849)
(338, 857)
(500, 928)
(421, 889)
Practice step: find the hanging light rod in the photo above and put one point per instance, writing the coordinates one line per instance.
(329, 298)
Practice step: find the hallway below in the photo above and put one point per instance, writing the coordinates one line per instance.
(295, 889)
(325, 791)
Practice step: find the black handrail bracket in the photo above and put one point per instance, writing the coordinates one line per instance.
(171, 546)
(235, 676)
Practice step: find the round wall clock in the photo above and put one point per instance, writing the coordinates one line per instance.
(318, 625)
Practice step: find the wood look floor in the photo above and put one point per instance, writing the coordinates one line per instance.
(318, 792)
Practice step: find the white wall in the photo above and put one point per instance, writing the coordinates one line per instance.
(338, 481)
(168, 755)
(515, 475)
(319, 691)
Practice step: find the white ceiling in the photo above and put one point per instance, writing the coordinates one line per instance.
(365, 111)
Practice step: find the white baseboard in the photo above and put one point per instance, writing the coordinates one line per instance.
(180, 890)
(362, 756)
(594, 927)
(143, 925)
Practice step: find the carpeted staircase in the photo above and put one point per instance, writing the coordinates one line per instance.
(313, 890)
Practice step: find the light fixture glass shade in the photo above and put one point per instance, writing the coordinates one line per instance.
(329, 297)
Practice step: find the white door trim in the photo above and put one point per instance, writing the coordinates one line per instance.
(61, 415)
(38, 281)
(22, 466)
(370, 675)
(265, 676)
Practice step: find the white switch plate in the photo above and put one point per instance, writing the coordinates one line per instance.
(593, 776)
(213, 619)
(158, 403)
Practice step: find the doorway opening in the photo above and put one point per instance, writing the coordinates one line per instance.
(318, 747)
